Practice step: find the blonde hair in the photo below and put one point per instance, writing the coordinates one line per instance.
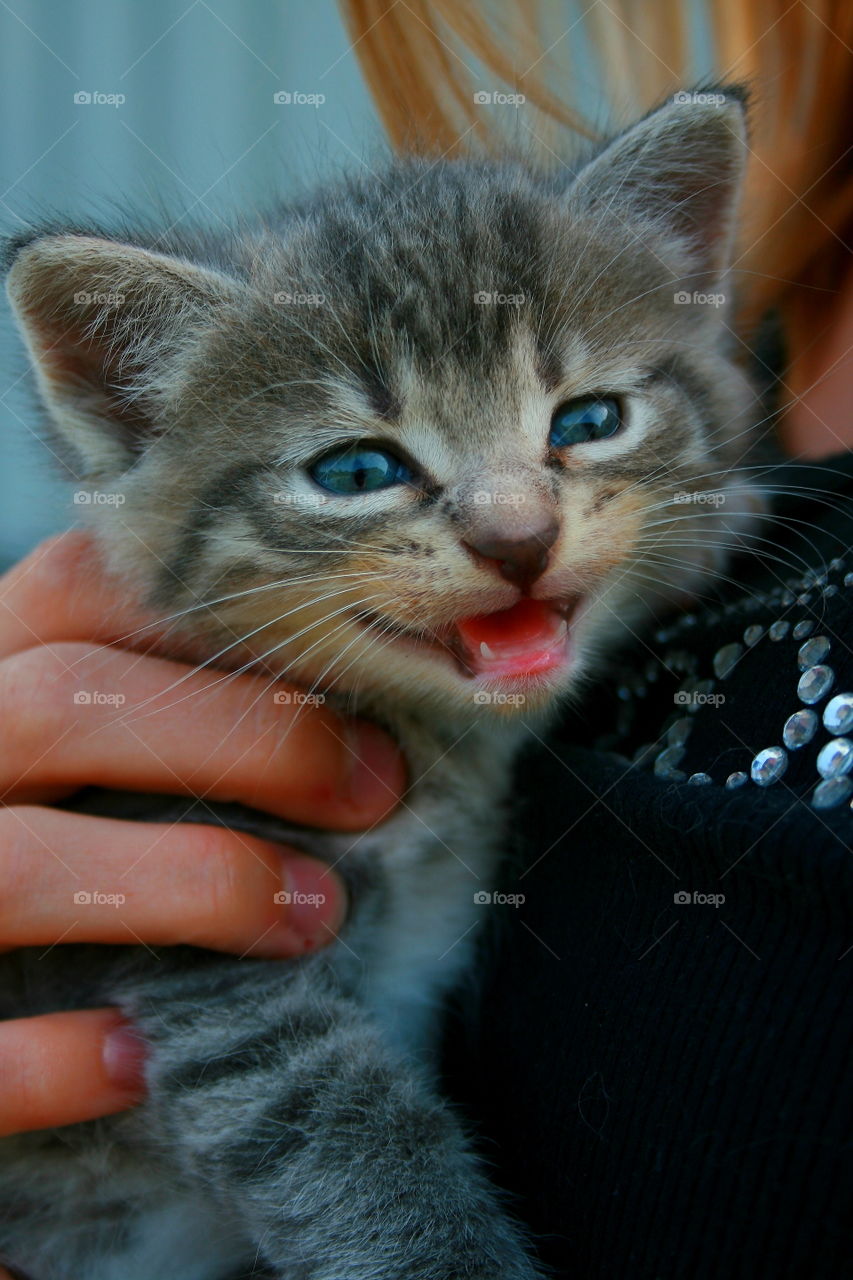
(425, 59)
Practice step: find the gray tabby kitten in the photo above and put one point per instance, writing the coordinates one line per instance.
(433, 494)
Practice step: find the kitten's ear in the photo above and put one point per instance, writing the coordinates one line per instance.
(679, 170)
(103, 322)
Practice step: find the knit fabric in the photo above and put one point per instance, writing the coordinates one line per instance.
(656, 1055)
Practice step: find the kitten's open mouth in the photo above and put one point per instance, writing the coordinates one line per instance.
(528, 639)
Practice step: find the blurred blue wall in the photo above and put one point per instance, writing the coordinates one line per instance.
(198, 124)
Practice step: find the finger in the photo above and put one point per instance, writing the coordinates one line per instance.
(74, 878)
(62, 1068)
(111, 718)
(61, 592)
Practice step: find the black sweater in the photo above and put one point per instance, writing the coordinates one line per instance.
(663, 1084)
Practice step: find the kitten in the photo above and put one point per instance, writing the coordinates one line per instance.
(417, 444)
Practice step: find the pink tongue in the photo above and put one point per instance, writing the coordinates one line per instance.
(531, 636)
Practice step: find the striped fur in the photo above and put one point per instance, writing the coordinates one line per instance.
(293, 1123)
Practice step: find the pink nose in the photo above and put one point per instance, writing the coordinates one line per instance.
(521, 559)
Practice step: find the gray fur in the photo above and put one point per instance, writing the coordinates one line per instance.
(292, 1120)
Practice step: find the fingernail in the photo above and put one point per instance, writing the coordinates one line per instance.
(313, 899)
(125, 1053)
(376, 774)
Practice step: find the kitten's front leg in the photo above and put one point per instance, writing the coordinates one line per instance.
(343, 1163)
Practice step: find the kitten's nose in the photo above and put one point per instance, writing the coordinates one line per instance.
(521, 558)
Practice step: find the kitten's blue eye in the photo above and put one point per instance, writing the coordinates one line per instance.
(589, 418)
(360, 468)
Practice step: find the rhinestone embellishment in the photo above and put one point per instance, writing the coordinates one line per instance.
(779, 629)
(768, 766)
(753, 634)
(799, 729)
(735, 780)
(699, 779)
(838, 713)
(813, 652)
(803, 629)
(835, 758)
(726, 659)
(815, 683)
(831, 792)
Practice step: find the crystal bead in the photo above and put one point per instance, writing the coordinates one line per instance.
(726, 659)
(699, 779)
(831, 792)
(735, 780)
(836, 565)
(753, 634)
(835, 758)
(838, 713)
(831, 590)
(779, 629)
(848, 579)
(815, 683)
(813, 651)
(678, 733)
(804, 599)
(803, 629)
(768, 766)
(666, 764)
(799, 729)
(644, 754)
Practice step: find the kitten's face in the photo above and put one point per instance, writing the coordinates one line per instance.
(431, 443)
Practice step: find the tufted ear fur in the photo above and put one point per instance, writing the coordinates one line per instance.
(103, 322)
(678, 171)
